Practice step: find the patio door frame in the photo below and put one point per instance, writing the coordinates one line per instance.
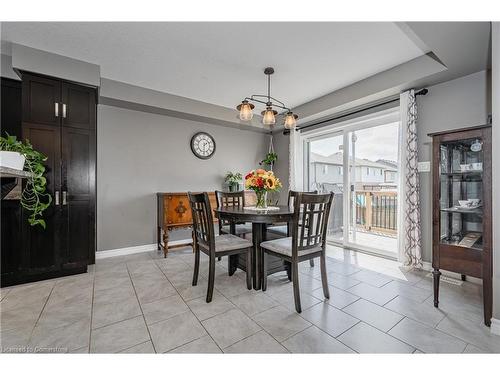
(344, 128)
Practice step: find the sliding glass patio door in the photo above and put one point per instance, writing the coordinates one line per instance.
(326, 174)
(359, 163)
(373, 194)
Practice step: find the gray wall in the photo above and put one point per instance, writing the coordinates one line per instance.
(139, 154)
(450, 105)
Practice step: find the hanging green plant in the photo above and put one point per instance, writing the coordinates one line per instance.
(34, 197)
(270, 159)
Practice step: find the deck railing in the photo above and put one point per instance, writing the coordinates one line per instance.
(377, 211)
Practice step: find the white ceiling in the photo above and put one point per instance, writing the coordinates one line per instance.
(221, 63)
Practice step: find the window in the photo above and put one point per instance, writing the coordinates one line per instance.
(381, 172)
(325, 169)
(367, 171)
(341, 170)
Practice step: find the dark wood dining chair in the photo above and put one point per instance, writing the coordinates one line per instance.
(232, 199)
(206, 242)
(307, 241)
(284, 230)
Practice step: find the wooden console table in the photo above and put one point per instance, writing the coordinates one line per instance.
(174, 212)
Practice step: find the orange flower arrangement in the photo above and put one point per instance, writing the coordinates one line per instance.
(262, 181)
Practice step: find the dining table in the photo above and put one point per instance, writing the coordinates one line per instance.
(260, 220)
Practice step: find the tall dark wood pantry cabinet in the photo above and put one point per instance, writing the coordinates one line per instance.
(59, 120)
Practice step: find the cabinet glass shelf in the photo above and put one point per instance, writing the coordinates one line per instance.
(476, 211)
(461, 176)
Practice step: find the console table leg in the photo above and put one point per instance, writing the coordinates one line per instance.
(436, 273)
(158, 238)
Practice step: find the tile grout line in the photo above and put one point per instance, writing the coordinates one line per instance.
(228, 298)
(39, 316)
(133, 346)
(91, 313)
(143, 317)
(7, 291)
(185, 301)
(454, 336)
(416, 321)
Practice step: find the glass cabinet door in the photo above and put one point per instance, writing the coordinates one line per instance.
(461, 192)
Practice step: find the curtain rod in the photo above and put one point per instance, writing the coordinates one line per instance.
(423, 91)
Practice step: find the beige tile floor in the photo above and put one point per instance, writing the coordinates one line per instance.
(145, 304)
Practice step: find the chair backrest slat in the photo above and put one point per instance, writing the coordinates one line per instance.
(229, 199)
(203, 225)
(310, 220)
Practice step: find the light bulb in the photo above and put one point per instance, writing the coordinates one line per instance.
(245, 109)
(269, 116)
(290, 120)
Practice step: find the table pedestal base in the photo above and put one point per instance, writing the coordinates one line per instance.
(275, 264)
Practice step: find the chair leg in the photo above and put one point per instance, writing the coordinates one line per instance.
(324, 279)
(249, 268)
(264, 271)
(196, 266)
(296, 290)
(288, 267)
(311, 262)
(211, 278)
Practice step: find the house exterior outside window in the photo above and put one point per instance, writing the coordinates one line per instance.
(383, 173)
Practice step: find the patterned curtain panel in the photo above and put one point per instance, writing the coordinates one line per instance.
(294, 149)
(411, 228)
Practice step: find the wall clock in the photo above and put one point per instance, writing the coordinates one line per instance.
(203, 145)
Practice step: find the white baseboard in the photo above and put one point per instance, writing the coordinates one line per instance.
(136, 249)
(495, 326)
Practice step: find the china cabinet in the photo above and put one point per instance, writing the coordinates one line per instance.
(462, 240)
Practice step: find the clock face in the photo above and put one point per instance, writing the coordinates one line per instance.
(203, 145)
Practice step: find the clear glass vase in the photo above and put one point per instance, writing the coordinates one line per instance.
(261, 199)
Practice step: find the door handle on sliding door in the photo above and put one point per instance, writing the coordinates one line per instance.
(64, 198)
(56, 197)
(56, 109)
(64, 110)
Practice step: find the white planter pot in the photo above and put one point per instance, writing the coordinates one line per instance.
(12, 160)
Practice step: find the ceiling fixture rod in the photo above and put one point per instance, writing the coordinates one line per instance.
(269, 115)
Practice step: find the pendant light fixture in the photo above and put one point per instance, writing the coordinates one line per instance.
(245, 109)
(269, 114)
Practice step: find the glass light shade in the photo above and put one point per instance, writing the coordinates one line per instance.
(290, 120)
(268, 117)
(246, 112)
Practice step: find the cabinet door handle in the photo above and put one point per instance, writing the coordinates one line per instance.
(64, 198)
(64, 110)
(56, 195)
(56, 109)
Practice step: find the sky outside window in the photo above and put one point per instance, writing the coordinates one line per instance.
(379, 142)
